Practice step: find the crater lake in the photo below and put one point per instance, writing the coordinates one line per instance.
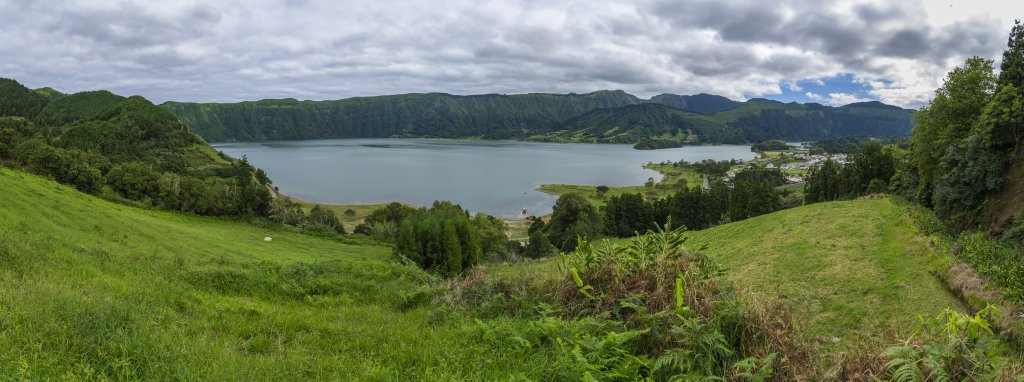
(496, 177)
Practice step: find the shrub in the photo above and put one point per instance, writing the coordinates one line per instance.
(650, 310)
(134, 180)
(441, 239)
(539, 246)
(323, 219)
(950, 347)
(573, 217)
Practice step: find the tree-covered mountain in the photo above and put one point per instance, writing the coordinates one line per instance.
(124, 148)
(422, 115)
(18, 100)
(636, 123)
(699, 103)
(603, 116)
(657, 126)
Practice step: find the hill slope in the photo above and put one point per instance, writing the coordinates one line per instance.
(573, 117)
(124, 147)
(852, 267)
(91, 288)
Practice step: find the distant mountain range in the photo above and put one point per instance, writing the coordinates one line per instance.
(600, 117)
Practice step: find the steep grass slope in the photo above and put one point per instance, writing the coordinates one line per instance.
(90, 288)
(852, 268)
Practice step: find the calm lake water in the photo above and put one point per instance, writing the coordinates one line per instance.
(496, 177)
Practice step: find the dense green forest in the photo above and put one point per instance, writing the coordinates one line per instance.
(124, 148)
(602, 117)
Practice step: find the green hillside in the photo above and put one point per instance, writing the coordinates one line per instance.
(18, 100)
(603, 116)
(90, 288)
(124, 148)
(853, 270)
(78, 107)
(630, 124)
(853, 267)
(421, 115)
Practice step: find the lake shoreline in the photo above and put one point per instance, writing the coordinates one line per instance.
(500, 178)
(482, 139)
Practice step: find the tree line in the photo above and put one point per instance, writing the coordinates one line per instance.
(752, 193)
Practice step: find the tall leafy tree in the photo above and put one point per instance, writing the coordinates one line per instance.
(441, 239)
(572, 217)
(948, 119)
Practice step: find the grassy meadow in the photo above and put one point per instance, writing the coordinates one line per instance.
(671, 182)
(853, 270)
(92, 290)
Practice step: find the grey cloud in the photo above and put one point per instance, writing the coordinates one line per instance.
(238, 50)
(905, 43)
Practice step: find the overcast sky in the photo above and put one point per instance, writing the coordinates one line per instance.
(832, 52)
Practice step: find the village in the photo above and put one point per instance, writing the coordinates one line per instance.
(794, 163)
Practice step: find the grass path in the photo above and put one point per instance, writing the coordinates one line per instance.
(852, 267)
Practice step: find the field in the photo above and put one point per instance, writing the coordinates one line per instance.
(91, 288)
(853, 267)
(669, 184)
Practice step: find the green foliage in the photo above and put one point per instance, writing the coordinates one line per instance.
(627, 215)
(1012, 65)
(323, 219)
(999, 262)
(709, 167)
(871, 169)
(17, 100)
(393, 213)
(141, 151)
(753, 193)
(948, 118)
(78, 107)
(968, 136)
(615, 321)
(134, 180)
(72, 167)
(492, 232)
(440, 239)
(851, 143)
(654, 144)
(974, 169)
(539, 246)
(572, 218)
(283, 210)
(950, 347)
(770, 145)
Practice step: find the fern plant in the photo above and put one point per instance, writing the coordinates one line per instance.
(955, 346)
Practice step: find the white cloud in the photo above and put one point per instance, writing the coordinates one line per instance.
(235, 50)
(840, 99)
(814, 96)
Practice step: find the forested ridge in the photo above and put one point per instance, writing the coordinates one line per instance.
(125, 149)
(599, 117)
